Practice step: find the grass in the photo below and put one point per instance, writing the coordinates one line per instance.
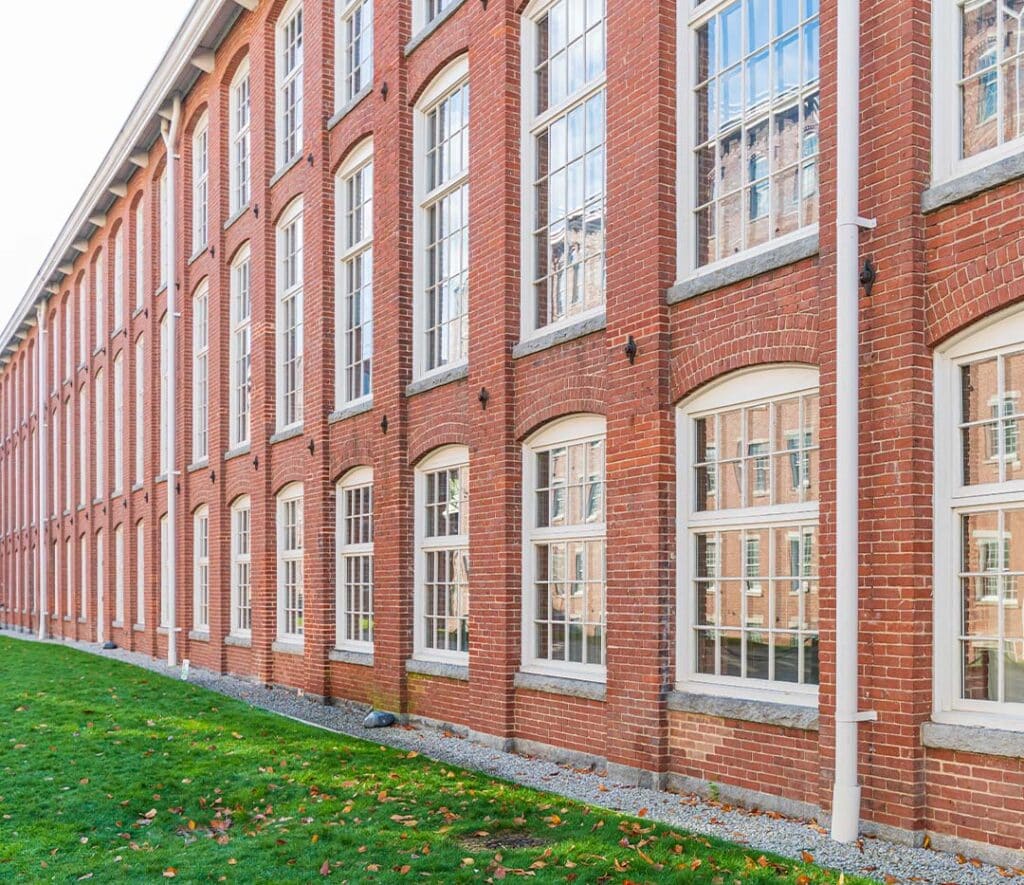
(110, 772)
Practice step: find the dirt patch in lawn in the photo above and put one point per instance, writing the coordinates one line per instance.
(504, 840)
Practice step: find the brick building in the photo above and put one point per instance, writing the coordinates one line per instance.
(478, 361)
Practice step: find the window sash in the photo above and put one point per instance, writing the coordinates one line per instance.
(118, 424)
(200, 189)
(356, 275)
(290, 89)
(140, 572)
(241, 570)
(200, 376)
(290, 324)
(240, 111)
(201, 577)
(241, 349)
(357, 31)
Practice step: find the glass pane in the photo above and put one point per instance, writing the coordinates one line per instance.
(980, 670)
(705, 652)
(786, 648)
(980, 453)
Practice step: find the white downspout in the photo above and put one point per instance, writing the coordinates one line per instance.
(846, 789)
(169, 132)
(42, 489)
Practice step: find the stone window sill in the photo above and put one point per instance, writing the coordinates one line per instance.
(350, 411)
(137, 487)
(139, 628)
(284, 170)
(438, 379)
(432, 26)
(288, 647)
(197, 255)
(243, 449)
(349, 106)
(973, 739)
(574, 688)
(238, 641)
(236, 216)
(545, 340)
(83, 621)
(971, 183)
(199, 465)
(117, 625)
(287, 433)
(744, 268)
(199, 635)
(747, 710)
(436, 668)
(360, 658)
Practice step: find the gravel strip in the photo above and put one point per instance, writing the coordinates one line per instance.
(875, 858)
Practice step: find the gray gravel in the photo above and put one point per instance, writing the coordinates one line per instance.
(875, 858)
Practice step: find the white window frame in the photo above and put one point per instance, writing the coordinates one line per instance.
(83, 588)
(449, 80)
(83, 448)
(444, 458)
(139, 418)
(947, 120)
(69, 456)
(425, 11)
(688, 23)
(164, 209)
(83, 320)
(165, 581)
(746, 387)
(567, 431)
(290, 494)
(140, 253)
(69, 583)
(350, 252)
(201, 373)
(101, 614)
(240, 119)
(69, 335)
(118, 443)
(241, 556)
(201, 569)
(164, 393)
(99, 432)
(531, 125)
(290, 141)
(345, 65)
(240, 370)
(290, 401)
(358, 478)
(200, 185)
(140, 572)
(119, 279)
(1003, 332)
(119, 575)
(100, 295)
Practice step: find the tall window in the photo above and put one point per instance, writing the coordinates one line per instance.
(119, 574)
(165, 578)
(564, 579)
(241, 348)
(163, 230)
(748, 471)
(239, 109)
(564, 168)
(289, 317)
(200, 185)
(119, 278)
(754, 103)
(200, 373)
(69, 336)
(56, 432)
(69, 579)
(355, 276)
(140, 404)
(99, 432)
(140, 573)
(442, 556)
(83, 322)
(289, 83)
(201, 572)
(83, 577)
(355, 560)
(69, 457)
(241, 568)
(83, 448)
(164, 394)
(118, 424)
(101, 304)
(979, 527)
(355, 33)
(290, 595)
(101, 615)
(442, 222)
(140, 253)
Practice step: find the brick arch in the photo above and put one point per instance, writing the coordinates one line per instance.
(231, 68)
(453, 432)
(462, 49)
(560, 402)
(354, 142)
(242, 484)
(354, 451)
(190, 125)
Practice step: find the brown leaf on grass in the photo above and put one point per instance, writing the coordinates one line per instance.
(806, 857)
(170, 873)
(642, 812)
(803, 879)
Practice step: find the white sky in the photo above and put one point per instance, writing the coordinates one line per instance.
(72, 71)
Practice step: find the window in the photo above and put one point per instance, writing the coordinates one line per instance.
(748, 554)
(356, 36)
(441, 231)
(165, 578)
(69, 581)
(201, 573)
(83, 583)
(289, 84)
(978, 83)
(69, 335)
(69, 459)
(101, 306)
(164, 393)
(979, 524)
(355, 560)
(200, 185)
(119, 279)
(355, 276)
(753, 97)
(442, 556)
(140, 401)
(140, 253)
(83, 322)
(290, 596)
(83, 448)
(241, 568)
(289, 317)
(239, 109)
(56, 433)
(564, 559)
(425, 11)
(119, 575)
(118, 424)
(140, 573)
(241, 348)
(99, 433)
(101, 614)
(200, 373)
(564, 162)
(55, 608)
(163, 230)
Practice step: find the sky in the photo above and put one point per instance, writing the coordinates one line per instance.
(73, 71)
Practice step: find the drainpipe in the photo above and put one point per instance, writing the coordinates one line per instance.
(169, 132)
(846, 789)
(42, 487)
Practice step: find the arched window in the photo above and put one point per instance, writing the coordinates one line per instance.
(200, 185)
(165, 579)
(239, 104)
(165, 418)
(119, 279)
(354, 539)
(747, 450)
(118, 443)
(201, 570)
(979, 523)
(140, 401)
(564, 559)
(200, 373)
(290, 565)
(140, 573)
(241, 348)
(289, 318)
(442, 556)
(99, 433)
(241, 568)
(99, 288)
(289, 83)
(119, 576)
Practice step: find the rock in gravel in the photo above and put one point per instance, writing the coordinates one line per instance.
(379, 719)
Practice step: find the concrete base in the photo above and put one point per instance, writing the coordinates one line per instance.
(733, 795)
(630, 776)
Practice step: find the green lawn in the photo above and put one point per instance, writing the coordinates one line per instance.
(113, 773)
